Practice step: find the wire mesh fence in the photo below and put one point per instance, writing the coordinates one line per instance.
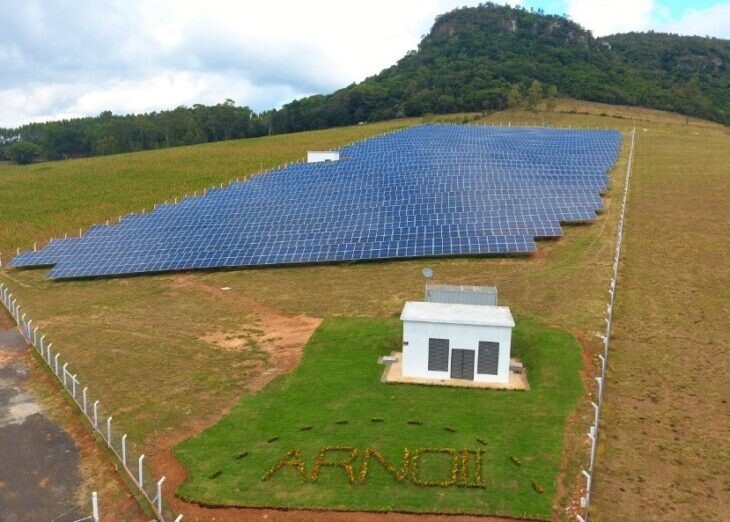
(73, 516)
(98, 419)
(594, 430)
(133, 459)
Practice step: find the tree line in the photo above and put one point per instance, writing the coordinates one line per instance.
(112, 134)
(475, 59)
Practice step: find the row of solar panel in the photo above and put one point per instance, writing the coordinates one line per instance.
(388, 199)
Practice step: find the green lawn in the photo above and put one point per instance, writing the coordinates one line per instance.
(337, 392)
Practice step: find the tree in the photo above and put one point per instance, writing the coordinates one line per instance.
(691, 95)
(551, 99)
(534, 95)
(23, 152)
(514, 97)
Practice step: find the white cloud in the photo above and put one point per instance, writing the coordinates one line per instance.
(713, 21)
(604, 17)
(64, 59)
(60, 59)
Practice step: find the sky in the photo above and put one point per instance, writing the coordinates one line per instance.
(62, 58)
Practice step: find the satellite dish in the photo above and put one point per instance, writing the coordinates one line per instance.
(427, 273)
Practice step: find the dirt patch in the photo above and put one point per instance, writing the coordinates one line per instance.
(588, 352)
(298, 515)
(282, 337)
(541, 254)
(6, 322)
(5, 358)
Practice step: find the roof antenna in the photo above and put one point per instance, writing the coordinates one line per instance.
(428, 274)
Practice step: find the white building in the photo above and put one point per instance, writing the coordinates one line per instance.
(456, 341)
(317, 156)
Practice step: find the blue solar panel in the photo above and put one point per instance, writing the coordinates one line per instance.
(431, 190)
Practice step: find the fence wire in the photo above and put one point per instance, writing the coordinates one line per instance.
(99, 419)
(594, 430)
(133, 461)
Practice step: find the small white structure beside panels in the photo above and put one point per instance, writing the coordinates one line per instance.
(457, 341)
(319, 156)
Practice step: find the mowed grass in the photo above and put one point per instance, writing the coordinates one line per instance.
(45, 200)
(335, 394)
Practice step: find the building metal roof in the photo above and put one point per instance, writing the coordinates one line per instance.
(450, 313)
(461, 294)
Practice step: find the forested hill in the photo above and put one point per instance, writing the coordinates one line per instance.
(474, 59)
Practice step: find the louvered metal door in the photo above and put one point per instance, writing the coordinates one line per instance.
(438, 355)
(462, 364)
(488, 362)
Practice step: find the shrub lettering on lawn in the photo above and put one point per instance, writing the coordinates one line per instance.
(459, 471)
(345, 463)
(398, 474)
(291, 458)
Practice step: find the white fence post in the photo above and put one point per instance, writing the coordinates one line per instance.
(159, 494)
(83, 392)
(140, 472)
(592, 437)
(73, 386)
(95, 506)
(587, 498)
(48, 354)
(64, 374)
(56, 363)
(96, 415)
(124, 450)
(109, 431)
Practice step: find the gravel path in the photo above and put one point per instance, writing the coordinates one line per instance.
(39, 462)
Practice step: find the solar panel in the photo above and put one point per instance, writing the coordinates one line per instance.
(430, 190)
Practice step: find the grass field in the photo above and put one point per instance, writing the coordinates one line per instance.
(666, 449)
(45, 200)
(145, 344)
(332, 398)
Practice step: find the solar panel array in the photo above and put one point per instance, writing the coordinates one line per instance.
(431, 190)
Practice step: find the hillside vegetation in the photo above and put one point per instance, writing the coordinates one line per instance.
(474, 59)
(473, 56)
